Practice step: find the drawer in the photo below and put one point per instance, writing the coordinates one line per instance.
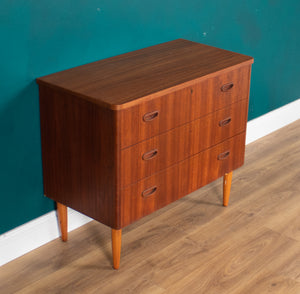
(152, 193)
(150, 156)
(163, 113)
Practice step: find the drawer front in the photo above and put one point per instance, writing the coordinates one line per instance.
(160, 114)
(150, 156)
(154, 192)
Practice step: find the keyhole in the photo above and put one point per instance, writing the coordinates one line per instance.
(192, 91)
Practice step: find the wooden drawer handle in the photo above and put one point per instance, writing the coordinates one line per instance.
(227, 87)
(150, 116)
(150, 154)
(148, 192)
(223, 155)
(224, 122)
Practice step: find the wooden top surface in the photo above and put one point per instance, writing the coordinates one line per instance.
(118, 82)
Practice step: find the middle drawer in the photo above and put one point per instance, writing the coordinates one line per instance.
(152, 155)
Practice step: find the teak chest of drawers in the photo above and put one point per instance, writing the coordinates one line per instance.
(125, 136)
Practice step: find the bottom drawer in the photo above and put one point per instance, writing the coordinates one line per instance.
(154, 192)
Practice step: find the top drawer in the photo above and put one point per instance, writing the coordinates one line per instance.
(152, 117)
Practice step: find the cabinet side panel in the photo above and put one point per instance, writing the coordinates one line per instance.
(78, 148)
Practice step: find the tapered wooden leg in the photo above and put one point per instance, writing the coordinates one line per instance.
(116, 241)
(63, 220)
(226, 188)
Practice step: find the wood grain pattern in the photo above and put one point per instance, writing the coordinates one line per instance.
(182, 142)
(119, 80)
(193, 242)
(79, 154)
(182, 106)
(237, 264)
(180, 180)
(81, 142)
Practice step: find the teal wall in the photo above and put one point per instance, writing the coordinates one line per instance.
(42, 37)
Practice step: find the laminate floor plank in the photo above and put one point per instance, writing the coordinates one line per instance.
(95, 265)
(54, 256)
(229, 267)
(189, 254)
(194, 245)
(278, 276)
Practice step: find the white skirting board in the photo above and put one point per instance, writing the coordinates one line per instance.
(272, 121)
(36, 233)
(44, 229)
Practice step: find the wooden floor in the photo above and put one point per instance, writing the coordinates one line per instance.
(192, 246)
